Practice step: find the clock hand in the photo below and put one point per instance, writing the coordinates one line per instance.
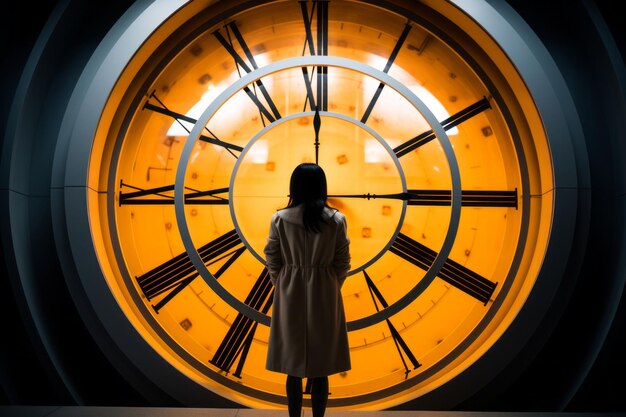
(317, 123)
(398, 196)
(469, 198)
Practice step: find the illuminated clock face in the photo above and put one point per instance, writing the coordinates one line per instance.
(428, 152)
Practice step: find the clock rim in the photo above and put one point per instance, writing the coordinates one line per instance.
(71, 197)
(298, 62)
(297, 115)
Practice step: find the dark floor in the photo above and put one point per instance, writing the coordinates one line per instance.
(54, 411)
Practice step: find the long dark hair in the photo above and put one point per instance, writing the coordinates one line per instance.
(308, 187)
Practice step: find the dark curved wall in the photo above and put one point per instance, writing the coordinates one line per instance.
(47, 354)
(579, 368)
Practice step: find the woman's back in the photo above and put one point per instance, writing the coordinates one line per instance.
(308, 335)
(305, 248)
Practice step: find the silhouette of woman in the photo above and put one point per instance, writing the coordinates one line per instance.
(308, 258)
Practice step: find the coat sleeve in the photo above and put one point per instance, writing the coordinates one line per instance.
(273, 256)
(341, 262)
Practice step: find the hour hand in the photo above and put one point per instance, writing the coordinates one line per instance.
(317, 123)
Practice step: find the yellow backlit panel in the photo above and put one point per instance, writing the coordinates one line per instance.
(188, 319)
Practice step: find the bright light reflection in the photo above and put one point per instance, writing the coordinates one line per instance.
(376, 153)
(408, 80)
(258, 153)
(434, 106)
(182, 128)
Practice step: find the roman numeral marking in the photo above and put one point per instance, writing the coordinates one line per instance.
(452, 272)
(320, 102)
(469, 198)
(272, 114)
(454, 120)
(160, 196)
(172, 276)
(179, 117)
(392, 57)
(238, 339)
(401, 346)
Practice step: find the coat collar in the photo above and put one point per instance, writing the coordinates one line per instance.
(294, 214)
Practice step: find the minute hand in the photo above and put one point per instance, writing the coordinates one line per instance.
(472, 198)
(398, 196)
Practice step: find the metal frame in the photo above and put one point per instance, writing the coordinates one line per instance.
(299, 62)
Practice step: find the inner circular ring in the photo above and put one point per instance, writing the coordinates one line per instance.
(331, 61)
(343, 117)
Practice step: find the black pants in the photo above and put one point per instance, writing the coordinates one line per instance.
(319, 395)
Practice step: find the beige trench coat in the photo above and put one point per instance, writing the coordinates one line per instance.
(308, 336)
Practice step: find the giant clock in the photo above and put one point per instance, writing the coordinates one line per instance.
(433, 144)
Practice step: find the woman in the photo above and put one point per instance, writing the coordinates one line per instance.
(308, 258)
